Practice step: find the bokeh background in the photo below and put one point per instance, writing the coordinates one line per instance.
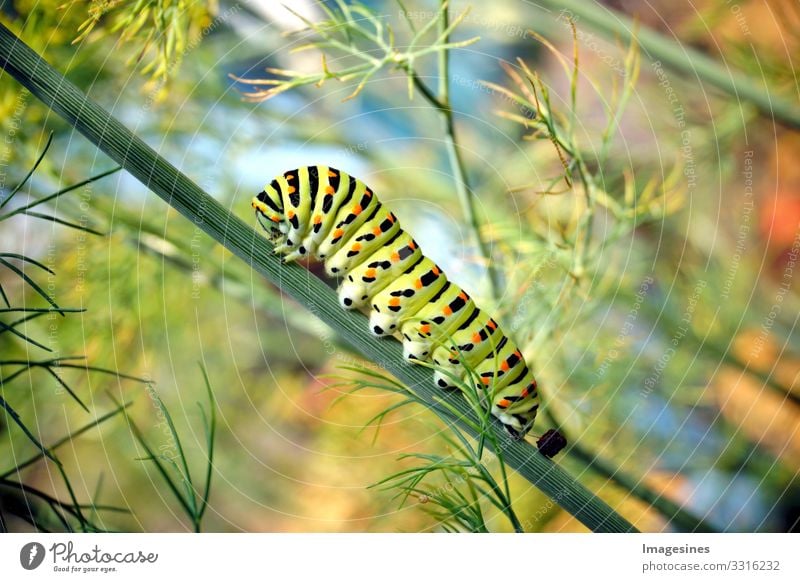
(664, 334)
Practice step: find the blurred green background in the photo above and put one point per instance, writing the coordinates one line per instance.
(661, 322)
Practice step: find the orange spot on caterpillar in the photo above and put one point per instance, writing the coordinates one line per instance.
(290, 214)
(524, 393)
(518, 354)
(357, 209)
(369, 273)
(436, 270)
(463, 296)
(426, 329)
(412, 245)
(394, 301)
(289, 177)
(395, 257)
(492, 324)
(338, 233)
(504, 366)
(356, 247)
(377, 231)
(476, 338)
(368, 194)
(447, 310)
(418, 284)
(291, 189)
(391, 218)
(485, 381)
(317, 219)
(329, 190)
(503, 403)
(275, 218)
(332, 174)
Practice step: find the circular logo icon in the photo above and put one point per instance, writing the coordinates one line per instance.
(31, 555)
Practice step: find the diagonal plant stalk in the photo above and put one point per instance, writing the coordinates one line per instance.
(681, 58)
(680, 517)
(241, 239)
(465, 194)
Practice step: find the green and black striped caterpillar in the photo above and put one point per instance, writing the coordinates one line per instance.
(321, 212)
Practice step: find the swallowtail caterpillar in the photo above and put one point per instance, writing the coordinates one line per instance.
(326, 214)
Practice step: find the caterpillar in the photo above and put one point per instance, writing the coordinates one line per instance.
(325, 214)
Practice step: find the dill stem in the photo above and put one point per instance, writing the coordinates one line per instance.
(466, 198)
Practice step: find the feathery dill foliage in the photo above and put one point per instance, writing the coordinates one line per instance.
(160, 31)
(578, 227)
(18, 324)
(357, 32)
(171, 462)
(465, 490)
(590, 184)
(42, 510)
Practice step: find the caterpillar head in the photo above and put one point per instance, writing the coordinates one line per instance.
(269, 211)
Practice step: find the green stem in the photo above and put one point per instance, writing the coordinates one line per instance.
(683, 519)
(466, 198)
(681, 58)
(108, 134)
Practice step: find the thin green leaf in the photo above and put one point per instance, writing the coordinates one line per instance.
(30, 172)
(11, 328)
(25, 259)
(65, 223)
(4, 296)
(210, 426)
(66, 387)
(69, 438)
(16, 418)
(33, 284)
(184, 469)
(68, 189)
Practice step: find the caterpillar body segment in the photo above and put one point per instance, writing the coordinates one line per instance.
(434, 323)
(372, 236)
(373, 275)
(477, 339)
(405, 296)
(323, 213)
(359, 206)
